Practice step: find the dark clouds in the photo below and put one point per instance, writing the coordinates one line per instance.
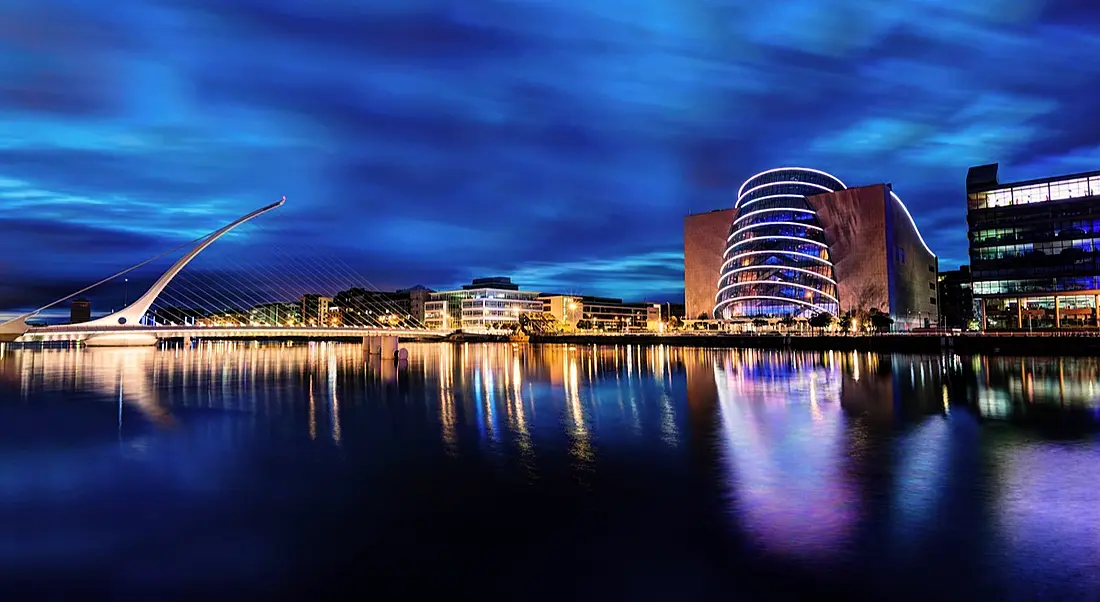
(561, 143)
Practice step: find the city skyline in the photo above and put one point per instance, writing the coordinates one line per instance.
(559, 145)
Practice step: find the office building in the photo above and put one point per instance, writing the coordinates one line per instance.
(315, 310)
(485, 303)
(1034, 255)
(956, 299)
(565, 309)
(799, 242)
(80, 311)
(362, 307)
(412, 301)
(602, 313)
(276, 314)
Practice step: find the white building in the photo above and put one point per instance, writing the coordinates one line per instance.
(603, 313)
(485, 303)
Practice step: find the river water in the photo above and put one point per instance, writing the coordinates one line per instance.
(546, 472)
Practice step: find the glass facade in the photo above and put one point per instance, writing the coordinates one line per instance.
(479, 308)
(776, 261)
(1035, 251)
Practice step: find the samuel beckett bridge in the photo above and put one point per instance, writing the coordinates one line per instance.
(263, 302)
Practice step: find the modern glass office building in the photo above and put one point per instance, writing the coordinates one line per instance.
(484, 303)
(776, 260)
(1035, 250)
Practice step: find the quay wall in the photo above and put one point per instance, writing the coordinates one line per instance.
(967, 344)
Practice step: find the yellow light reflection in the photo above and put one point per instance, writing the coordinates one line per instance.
(333, 399)
(581, 448)
(447, 417)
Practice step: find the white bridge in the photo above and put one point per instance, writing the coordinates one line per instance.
(125, 328)
(116, 336)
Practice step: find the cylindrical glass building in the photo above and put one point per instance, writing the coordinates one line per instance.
(777, 262)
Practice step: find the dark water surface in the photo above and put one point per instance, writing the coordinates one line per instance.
(523, 472)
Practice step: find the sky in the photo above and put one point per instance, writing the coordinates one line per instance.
(557, 142)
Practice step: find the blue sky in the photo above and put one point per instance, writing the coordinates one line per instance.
(557, 142)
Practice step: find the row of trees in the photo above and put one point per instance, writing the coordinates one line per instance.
(872, 320)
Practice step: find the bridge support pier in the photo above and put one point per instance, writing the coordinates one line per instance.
(371, 345)
(386, 347)
(389, 348)
(186, 341)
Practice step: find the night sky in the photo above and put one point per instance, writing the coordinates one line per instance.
(559, 142)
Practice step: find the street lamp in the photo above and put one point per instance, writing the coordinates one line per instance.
(125, 292)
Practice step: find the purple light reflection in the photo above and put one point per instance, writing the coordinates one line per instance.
(784, 448)
(1048, 510)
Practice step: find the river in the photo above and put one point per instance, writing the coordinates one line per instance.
(547, 472)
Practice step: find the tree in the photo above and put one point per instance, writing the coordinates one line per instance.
(846, 321)
(787, 321)
(759, 322)
(871, 294)
(703, 316)
(821, 320)
(879, 321)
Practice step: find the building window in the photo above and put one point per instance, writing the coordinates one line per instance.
(932, 268)
(931, 286)
(900, 255)
(932, 300)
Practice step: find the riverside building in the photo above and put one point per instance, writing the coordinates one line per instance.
(799, 242)
(485, 303)
(1034, 252)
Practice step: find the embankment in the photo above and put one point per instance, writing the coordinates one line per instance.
(1017, 344)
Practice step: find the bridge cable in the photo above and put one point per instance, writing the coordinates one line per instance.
(123, 272)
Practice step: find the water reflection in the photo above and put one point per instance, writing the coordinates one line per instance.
(829, 459)
(785, 447)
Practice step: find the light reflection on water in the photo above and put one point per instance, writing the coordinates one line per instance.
(876, 467)
(784, 448)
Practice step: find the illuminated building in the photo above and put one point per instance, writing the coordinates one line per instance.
(494, 303)
(484, 303)
(315, 309)
(799, 242)
(704, 240)
(1034, 249)
(776, 260)
(80, 311)
(602, 313)
(566, 309)
(362, 306)
(273, 314)
(412, 301)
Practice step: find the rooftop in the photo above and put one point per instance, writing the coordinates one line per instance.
(502, 283)
(984, 178)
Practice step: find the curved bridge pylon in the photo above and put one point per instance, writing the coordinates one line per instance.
(132, 313)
